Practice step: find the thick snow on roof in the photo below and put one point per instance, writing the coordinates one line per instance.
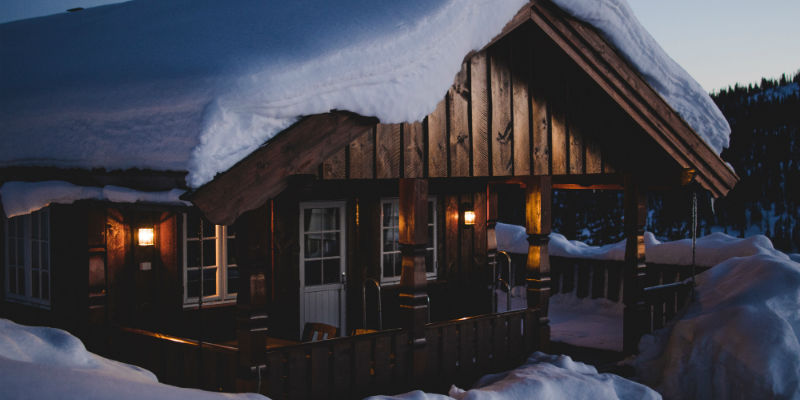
(739, 338)
(48, 363)
(197, 85)
(617, 23)
(26, 197)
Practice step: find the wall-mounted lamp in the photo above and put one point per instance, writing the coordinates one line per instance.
(469, 215)
(146, 237)
(688, 175)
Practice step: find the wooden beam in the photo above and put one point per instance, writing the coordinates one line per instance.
(362, 152)
(437, 141)
(458, 113)
(413, 280)
(413, 150)
(634, 274)
(520, 99)
(387, 151)
(538, 206)
(479, 101)
(502, 129)
(262, 175)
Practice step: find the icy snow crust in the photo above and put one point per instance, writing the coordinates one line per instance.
(710, 250)
(26, 197)
(739, 338)
(544, 376)
(617, 23)
(46, 363)
(197, 85)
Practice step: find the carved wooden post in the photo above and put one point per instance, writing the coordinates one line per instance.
(635, 268)
(413, 295)
(254, 261)
(538, 204)
(491, 241)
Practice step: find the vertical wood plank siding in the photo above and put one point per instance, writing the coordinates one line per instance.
(517, 108)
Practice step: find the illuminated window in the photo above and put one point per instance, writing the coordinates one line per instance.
(27, 258)
(209, 263)
(391, 258)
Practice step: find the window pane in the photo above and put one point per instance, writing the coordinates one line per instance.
(46, 226)
(35, 284)
(12, 280)
(430, 212)
(388, 215)
(233, 280)
(20, 227)
(35, 225)
(45, 259)
(388, 266)
(230, 230)
(21, 281)
(312, 220)
(193, 283)
(45, 286)
(35, 254)
(390, 239)
(313, 273)
(331, 270)
(429, 261)
(231, 243)
(209, 229)
(331, 219)
(20, 252)
(330, 245)
(431, 236)
(192, 254)
(209, 252)
(192, 226)
(209, 281)
(398, 264)
(12, 250)
(313, 245)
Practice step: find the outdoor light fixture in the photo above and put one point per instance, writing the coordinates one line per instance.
(146, 237)
(687, 176)
(469, 215)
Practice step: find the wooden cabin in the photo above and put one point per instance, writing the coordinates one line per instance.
(300, 230)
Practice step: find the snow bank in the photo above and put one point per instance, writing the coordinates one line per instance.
(544, 376)
(710, 250)
(587, 322)
(44, 363)
(26, 197)
(740, 338)
(617, 23)
(188, 85)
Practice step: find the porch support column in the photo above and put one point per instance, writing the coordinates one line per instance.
(635, 201)
(253, 239)
(538, 205)
(413, 281)
(491, 242)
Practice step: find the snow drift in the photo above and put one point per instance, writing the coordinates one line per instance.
(739, 338)
(48, 363)
(197, 85)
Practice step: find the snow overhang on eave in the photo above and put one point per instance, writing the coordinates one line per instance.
(625, 85)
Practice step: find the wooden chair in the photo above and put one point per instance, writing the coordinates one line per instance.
(315, 331)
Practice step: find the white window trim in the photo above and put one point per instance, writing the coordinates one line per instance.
(221, 264)
(28, 298)
(430, 275)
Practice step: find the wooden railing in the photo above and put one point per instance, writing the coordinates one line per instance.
(663, 303)
(176, 361)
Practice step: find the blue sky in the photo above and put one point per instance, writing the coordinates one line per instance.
(720, 42)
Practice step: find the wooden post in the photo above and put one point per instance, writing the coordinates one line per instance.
(635, 202)
(538, 204)
(413, 281)
(491, 241)
(254, 259)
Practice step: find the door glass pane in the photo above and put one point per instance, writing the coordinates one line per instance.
(429, 261)
(330, 245)
(390, 238)
(231, 243)
(45, 259)
(398, 263)
(20, 281)
(388, 266)
(331, 270)
(313, 245)
(331, 219)
(233, 280)
(312, 220)
(12, 280)
(209, 252)
(313, 272)
(45, 286)
(209, 229)
(12, 251)
(193, 283)
(35, 284)
(35, 254)
(193, 253)
(192, 226)
(20, 252)
(209, 281)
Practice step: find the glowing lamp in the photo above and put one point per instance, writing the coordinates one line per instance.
(146, 237)
(469, 217)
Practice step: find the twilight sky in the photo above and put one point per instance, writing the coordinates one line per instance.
(720, 42)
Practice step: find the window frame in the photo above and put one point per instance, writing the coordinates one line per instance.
(221, 237)
(393, 280)
(27, 268)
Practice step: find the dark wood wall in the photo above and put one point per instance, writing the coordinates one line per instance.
(520, 107)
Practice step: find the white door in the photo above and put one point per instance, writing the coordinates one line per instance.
(322, 264)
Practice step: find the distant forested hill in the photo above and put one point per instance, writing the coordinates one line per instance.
(764, 151)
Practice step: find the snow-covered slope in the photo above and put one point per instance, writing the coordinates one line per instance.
(616, 21)
(48, 363)
(197, 85)
(739, 338)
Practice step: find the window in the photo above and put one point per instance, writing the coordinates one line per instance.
(391, 259)
(322, 243)
(209, 262)
(28, 258)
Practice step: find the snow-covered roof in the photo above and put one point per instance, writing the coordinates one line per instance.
(198, 85)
